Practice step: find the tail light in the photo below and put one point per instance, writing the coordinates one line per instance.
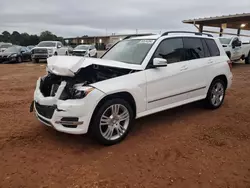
(230, 64)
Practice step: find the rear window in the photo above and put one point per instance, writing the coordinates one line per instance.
(193, 48)
(213, 48)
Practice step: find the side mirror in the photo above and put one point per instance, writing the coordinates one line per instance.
(22, 51)
(159, 62)
(59, 46)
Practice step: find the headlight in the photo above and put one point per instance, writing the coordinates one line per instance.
(75, 92)
(81, 93)
(13, 55)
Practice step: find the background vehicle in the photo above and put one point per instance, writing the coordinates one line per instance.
(85, 50)
(30, 47)
(70, 49)
(136, 77)
(4, 46)
(47, 49)
(236, 49)
(16, 54)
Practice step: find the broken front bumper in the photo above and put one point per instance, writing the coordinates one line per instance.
(69, 116)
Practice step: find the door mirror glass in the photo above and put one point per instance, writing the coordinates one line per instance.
(159, 62)
(59, 46)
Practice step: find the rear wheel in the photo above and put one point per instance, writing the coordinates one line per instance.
(112, 121)
(66, 53)
(216, 94)
(247, 59)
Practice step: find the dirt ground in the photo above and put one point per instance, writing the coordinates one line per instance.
(185, 147)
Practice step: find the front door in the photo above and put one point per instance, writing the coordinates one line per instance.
(168, 85)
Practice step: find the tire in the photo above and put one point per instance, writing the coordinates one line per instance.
(247, 59)
(55, 53)
(19, 59)
(35, 60)
(95, 56)
(66, 53)
(215, 98)
(113, 130)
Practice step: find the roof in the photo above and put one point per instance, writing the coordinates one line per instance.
(233, 21)
(146, 37)
(106, 36)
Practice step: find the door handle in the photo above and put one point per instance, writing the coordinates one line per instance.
(210, 61)
(185, 67)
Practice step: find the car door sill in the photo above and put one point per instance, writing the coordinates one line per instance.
(177, 94)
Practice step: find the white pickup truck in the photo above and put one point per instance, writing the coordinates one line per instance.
(236, 49)
(47, 49)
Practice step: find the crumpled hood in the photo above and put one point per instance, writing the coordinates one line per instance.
(69, 65)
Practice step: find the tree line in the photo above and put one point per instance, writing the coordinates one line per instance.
(24, 39)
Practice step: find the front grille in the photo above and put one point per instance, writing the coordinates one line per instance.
(80, 53)
(40, 51)
(44, 110)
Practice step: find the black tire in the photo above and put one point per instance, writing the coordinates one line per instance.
(55, 53)
(247, 59)
(95, 130)
(35, 60)
(210, 95)
(66, 53)
(19, 59)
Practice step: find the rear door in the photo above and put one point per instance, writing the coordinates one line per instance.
(197, 56)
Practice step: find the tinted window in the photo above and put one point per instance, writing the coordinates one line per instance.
(171, 50)
(206, 50)
(213, 48)
(193, 48)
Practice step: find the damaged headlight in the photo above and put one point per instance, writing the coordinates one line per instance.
(81, 92)
(75, 92)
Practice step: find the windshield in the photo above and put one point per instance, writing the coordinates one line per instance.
(13, 49)
(129, 51)
(46, 44)
(5, 45)
(82, 47)
(225, 40)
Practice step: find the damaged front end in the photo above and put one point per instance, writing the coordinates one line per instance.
(61, 102)
(79, 86)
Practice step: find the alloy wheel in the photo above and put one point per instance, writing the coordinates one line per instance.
(217, 94)
(114, 122)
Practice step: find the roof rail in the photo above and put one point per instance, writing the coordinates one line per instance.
(137, 35)
(196, 33)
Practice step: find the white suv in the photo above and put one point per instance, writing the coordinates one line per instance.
(136, 77)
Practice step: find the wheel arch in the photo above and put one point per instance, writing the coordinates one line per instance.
(123, 95)
(221, 77)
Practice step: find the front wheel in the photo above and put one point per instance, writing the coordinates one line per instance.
(247, 59)
(216, 94)
(19, 59)
(112, 121)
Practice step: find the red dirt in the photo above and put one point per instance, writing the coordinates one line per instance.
(184, 147)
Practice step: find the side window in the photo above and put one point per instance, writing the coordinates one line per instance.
(213, 48)
(23, 49)
(193, 48)
(171, 50)
(205, 47)
(59, 44)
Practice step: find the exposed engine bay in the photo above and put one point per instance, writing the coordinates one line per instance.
(85, 76)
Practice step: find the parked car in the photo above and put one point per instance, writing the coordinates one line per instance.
(4, 46)
(235, 49)
(135, 78)
(85, 50)
(47, 49)
(30, 47)
(15, 54)
(109, 45)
